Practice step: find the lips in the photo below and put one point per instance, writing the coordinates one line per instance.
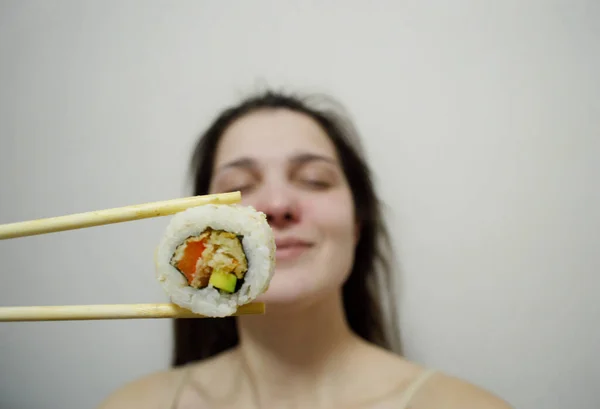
(291, 248)
(291, 242)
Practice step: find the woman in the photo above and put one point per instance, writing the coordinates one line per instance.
(323, 342)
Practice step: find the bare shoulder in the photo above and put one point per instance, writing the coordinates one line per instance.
(158, 390)
(440, 390)
(150, 391)
(449, 392)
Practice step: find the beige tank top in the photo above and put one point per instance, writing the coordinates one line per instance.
(410, 392)
(414, 387)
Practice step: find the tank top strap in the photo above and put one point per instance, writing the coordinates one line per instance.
(414, 387)
(180, 385)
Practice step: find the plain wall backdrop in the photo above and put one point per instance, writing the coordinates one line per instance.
(481, 120)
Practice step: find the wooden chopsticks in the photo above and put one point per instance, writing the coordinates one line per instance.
(102, 217)
(115, 215)
(109, 312)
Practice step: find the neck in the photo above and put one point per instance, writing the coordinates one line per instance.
(292, 349)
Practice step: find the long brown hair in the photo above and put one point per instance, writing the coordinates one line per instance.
(368, 291)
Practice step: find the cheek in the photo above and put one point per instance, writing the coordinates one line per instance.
(333, 214)
(330, 219)
(336, 224)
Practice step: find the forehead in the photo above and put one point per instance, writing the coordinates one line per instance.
(273, 134)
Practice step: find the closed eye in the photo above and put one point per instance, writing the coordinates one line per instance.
(319, 184)
(241, 188)
(316, 176)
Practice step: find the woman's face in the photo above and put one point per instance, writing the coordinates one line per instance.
(286, 166)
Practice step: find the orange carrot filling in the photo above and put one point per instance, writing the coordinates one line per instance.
(187, 264)
(214, 257)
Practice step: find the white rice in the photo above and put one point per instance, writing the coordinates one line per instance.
(258, 244)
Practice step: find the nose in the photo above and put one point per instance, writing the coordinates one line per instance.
(279, 206)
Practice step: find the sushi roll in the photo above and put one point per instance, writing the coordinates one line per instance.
(214, 258)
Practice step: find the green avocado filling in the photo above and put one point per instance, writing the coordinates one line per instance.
(223, 281)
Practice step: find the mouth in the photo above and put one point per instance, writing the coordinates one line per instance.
(291, 248)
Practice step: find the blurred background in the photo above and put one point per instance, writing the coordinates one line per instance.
(481, 120)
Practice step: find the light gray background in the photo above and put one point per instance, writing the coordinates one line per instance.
(481, 120)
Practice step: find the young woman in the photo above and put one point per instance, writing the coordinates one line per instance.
(323, 342)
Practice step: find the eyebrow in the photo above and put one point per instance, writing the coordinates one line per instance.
(298, 159)
(311, 157)
(239, 163)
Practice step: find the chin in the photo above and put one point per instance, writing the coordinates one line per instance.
(285, 290)
(297, 289)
